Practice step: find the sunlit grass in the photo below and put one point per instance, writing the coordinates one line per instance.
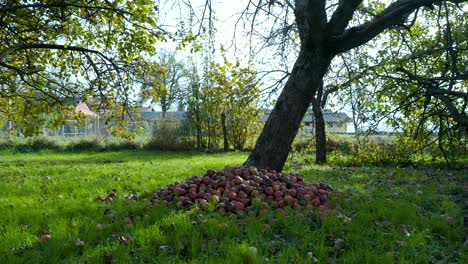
(392, 214)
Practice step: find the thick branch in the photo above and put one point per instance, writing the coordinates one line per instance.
(330, 89)
(342, 15)
(311, 20)
(393, 15)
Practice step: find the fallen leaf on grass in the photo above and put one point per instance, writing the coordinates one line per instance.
(79, 243)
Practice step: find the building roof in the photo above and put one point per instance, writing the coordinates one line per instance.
(82, 107)
(155, 115)
(328, 115)
(145, 109)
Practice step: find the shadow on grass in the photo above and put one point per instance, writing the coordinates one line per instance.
(66, 158)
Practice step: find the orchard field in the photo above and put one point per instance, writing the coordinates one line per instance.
(50, 214)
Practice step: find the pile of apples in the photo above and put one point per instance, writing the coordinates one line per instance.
(241, 190)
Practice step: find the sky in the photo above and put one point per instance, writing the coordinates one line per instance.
(227, 14)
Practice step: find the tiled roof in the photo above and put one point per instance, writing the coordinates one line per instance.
(83, 108)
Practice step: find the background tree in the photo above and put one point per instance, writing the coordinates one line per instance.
(222, 88)
(171, 89)
(240, 100)
(193, 99)
(325, 29)
(162, 84)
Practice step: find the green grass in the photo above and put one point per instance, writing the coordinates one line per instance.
(397, 214)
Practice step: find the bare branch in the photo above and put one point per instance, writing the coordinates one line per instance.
(393, 15)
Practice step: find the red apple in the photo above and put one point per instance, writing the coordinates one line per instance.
(277, 194)
(313, 189)
(205, 180)
(324, 192)
(232, 196)
(292, 192)
(206, 196)
(262, 212)
(239, 206)
(243, 195)
(179, 191)
(281, 203)
(288, 199)
(316, 201)
(238, 180)
(192, 196)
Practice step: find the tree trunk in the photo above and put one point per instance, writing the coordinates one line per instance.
(198, 129)
(225, 136)
(274, 143)
(320, 137)
(199, 145)
(163, 110)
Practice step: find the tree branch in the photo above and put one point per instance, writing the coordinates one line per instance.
(432, 89)
(393, 15)
(330, 89)
(57, 47)
(311, 19)
(342, 15)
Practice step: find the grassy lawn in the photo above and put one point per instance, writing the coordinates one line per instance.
(391, 214)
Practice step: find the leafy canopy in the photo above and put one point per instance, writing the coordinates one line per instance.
(53, 52)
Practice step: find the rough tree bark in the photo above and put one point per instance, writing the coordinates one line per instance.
(321, 40)
(320, 136)
(274, 143)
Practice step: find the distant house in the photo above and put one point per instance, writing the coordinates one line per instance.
(72, 128)
(335, 122)
(147, 113)
(82, 107)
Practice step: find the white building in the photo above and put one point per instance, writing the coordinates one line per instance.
(335, 122)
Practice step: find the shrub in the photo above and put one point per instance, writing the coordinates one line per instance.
(17, 144)
(44, 143)
(83, 144)
(124, 145)
(170, 134)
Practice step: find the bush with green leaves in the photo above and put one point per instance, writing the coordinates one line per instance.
(171, 134)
